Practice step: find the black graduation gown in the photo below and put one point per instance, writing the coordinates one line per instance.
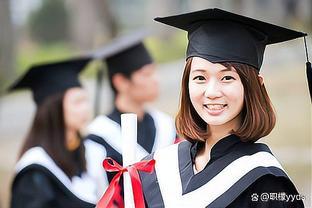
(39, 182)
(36, 187)
(235, 176)
(152, 133)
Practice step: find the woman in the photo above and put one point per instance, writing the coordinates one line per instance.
(224, 109)
(56, 168)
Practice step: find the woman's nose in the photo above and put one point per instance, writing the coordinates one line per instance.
(213, 89)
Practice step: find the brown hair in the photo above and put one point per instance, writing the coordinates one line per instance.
(48, 132)
(258, 116)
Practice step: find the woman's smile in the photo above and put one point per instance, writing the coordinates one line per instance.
(215, 109)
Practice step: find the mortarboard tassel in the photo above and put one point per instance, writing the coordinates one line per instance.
(308, 68)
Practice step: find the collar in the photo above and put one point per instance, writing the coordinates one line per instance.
(221, 148)
(115, 115)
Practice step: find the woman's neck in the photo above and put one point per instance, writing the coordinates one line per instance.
(217, 133)
(128, 105)
(72, 140)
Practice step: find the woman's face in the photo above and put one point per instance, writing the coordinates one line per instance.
(76, 108)
(216, 92)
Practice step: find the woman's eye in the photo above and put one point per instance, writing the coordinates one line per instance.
(200, 78)
(226, 78)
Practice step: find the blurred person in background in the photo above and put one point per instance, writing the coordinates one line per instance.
(56, 167)
(132, 77)
(224, 110)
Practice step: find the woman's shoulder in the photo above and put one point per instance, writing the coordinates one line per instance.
(34, 155)
(33, 174)
(252, 147)
(270, 191)
(272, 183)
(35, 186)
(36, 163)
(33, 182)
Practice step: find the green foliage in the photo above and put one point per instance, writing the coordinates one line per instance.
(50, 22)
(30, 55)
(169, 49)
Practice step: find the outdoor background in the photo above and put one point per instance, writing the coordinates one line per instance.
(35, 31)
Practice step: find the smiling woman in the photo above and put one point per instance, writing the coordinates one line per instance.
(206, 84)
(224, 109)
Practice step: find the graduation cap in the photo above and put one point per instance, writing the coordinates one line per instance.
(51, 78)
(125, 54)
(220, 36)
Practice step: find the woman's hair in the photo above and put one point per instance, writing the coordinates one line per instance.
(258, 116)
(48, 131)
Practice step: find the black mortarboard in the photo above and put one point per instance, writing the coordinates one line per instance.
(125, 54)
(50, 78)
(220, 36)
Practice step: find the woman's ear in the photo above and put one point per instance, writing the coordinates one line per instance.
(120, 82)
(261, 79)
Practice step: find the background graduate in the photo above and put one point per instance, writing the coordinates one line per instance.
(132, 77)
(224, 109)
(56, 168)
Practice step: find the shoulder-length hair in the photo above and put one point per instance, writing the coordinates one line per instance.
(48, 131)
(258, 116)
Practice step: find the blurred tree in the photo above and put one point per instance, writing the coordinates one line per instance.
(50, 22)
(7, 55)
(92, 23)
(106, 17)
(82, 23)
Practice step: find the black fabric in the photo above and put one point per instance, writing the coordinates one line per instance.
(220, 36)
(246, 181)
(259, 180)
(218, 150)
(222, 154)
(151, 189)
(129, 60)
(51, 78)
(245, 49)
(267, 184)
(126, 53)
(36, 187)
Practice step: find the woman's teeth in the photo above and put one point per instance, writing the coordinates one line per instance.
(215, 106)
